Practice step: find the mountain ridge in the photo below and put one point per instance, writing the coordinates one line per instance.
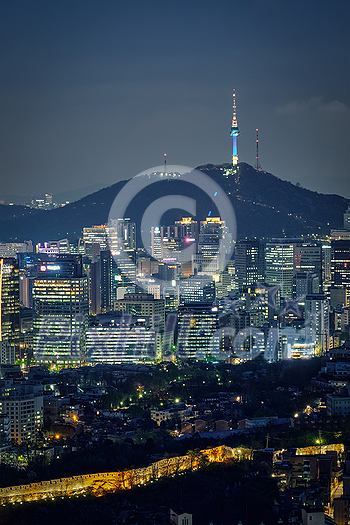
(265, 206)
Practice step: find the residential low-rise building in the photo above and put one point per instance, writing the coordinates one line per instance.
(338, 368)
(181, 412)
(339, 404)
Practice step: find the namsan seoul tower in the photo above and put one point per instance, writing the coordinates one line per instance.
(234, 132)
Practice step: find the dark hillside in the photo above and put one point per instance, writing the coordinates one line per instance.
(265, 206)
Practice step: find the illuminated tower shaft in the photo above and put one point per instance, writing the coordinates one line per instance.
(234, 133)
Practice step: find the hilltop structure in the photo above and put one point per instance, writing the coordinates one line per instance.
(234, 133)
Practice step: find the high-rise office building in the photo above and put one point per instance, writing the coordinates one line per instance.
(7, 353)
(187, 227)
(106, 276)
(308, 258)
(124, 268)
(305, 283)
(249, 263)
(10, 249)
(214, 246)
(146, 266)
(326, 264)
(121, 235)
(198, 337)
(96, 234)
(169, 270)
(197, 289)
(156, 243)
(9, 301)
(94, 277)
(317, 321)
(127, 342)
(171, 297)
(61, 307)
(143, 304)
(340, 264)
(279, 268)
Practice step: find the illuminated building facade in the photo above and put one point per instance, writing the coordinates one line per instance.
(9, 304)
(279, 265)
(340, 265)
(123, 268)
(187, 227)
(169, 270)
(22, 402)
(293, 343)
(156, 243)
(326, 263)
(214, 244)
(11, 249)
(61, 307)
(308, 258)
(249, 263)
(171, 297)
(198, 337)
(143, 305)
(7, 353)
(145, 266)
(106, 276)
(121, 344)
(121, 234)
(197, 289)
(305, 283)
(317, 321)
(96, 234)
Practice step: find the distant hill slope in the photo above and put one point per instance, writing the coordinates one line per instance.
(265, 206)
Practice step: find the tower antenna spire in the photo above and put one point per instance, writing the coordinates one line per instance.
(257, 159)
(234, 132)
(165, 163)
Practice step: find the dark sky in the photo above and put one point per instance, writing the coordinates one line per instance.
(96, 91)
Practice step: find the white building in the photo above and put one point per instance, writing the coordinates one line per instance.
(7, 353)
(339, 404)
(182, 412)
(121, 344)
(317, 321)
(23, 404)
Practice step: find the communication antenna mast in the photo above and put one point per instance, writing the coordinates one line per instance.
(257, 163)
(165, 163)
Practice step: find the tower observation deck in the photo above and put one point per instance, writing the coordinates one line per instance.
(234, 133)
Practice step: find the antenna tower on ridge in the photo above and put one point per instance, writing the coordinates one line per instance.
(257, 160)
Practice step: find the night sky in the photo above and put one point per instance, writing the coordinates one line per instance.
(97, 91)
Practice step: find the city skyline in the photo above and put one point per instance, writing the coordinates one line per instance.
(167, 320)
(97, 92)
